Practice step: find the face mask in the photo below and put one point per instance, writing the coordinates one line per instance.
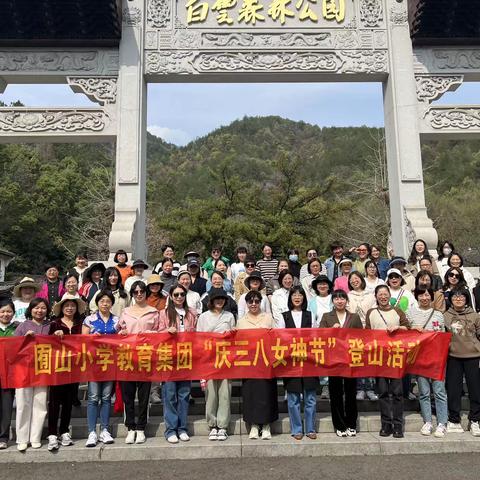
(293, 258)
(447, 251)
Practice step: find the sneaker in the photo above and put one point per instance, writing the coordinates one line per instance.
(222, 434)
(52, 443)
(155, 398)
(426, 429)
(36, 444)
(91, 440)
(21, 447)
(361, 395)
(397, 433)
(213, 435)
(172, 438)
(266, 433)
(325, 393)
(184, 437)
(372, 396)
(454, 427)
(341, 433)
(475, 429)
(66, 439)
(3, 445)
(130, 438)
(351, 432)
(440, 431)
(140, 437)
(105, 437)
(253, 435)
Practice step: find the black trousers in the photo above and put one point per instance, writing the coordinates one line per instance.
(343, 402)
(6, 407)
(456, 369)
(60, 399)
(129, 389)
(390, 399)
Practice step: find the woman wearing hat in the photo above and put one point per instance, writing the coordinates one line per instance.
(341, 282)
(121, 259)
(254, 282)
(155, 296)
(193, 298)
(218, 393)
(217, 280)
(24, 293)
(401, 296)
(138, 267)
(92, 282)
(112, 280)
(400, 263)
(260, 402)
(68, 321)
(52, 289)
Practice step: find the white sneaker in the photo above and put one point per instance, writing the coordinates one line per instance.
(36, 444)
(66, 439)
(105, 437)
(372, 396)
(91, 440)
(21, 447)
(130, 438)
(52, 443)
(140, 437)
(426, 429)
(475, 429)
(454, 427)
(172, 439)
(351, 432)
(184, 437)
(266, 433)
(325, 393)
(341, 433)
(213, 435)
(440, 431)
(3, 445)
(361, 395)
(253, 435)
(222, 434)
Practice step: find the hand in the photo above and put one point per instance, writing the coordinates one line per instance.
(123, 332)
(172, 330)
(30, 333)
(97, 333)
(337, 325)
(58, 333)
(352, 249)
(392, 329)
(418, 329)
(233, 330)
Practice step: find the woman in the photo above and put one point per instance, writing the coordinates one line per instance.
(455, 260)
(254, 282)
(425, 280)
(70, 283)
(453, 280)
(121, 259)
(400, 297)
(32, 401)
(176, 317)
(363, 251)
(23, 294)
(381, 263)
(239, 287)
(168, 251)
(92, 282)
(67, 321)
(155, 296)
(138, 318)
(280, 296)
(223, 269)
(390, 391)
(52, 289)
(138, 268)
(7, 395)
(239, 266)
(218, 392)
(217, 278)
(314, 270)
(102, 322)
(463, 360)
(419, 251)
(444, 251)
(193, 298)
(112, 280)
(297, 316)
(322, 302)
(341, 282)
(424, 318)
(372, 277)
(343, 402)
(260, 405)
(167, 276)
(273, 284)
(294, 265)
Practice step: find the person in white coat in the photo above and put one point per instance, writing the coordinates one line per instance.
(280, 296)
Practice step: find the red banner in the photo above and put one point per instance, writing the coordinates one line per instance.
(51, 360)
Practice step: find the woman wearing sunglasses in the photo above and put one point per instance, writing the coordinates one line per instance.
(454, 280)
(138, 318)
(260, 406)
(176, 317)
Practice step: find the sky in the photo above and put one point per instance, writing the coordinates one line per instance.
(181, 112)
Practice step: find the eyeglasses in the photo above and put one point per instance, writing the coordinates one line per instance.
(138, 292)
(250, 265)
(394, 275)
(454, 275)
(254, 301)
(178, 294)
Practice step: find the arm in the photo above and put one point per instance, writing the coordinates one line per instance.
(404, 323)
(324, 321)
(368, 325)
(242, 306)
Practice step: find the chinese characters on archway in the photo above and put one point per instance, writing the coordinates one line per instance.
(254, 12)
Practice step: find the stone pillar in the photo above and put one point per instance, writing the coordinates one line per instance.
(128, 229)
(407, 199)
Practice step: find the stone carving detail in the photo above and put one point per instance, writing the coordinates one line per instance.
(158, 13)
(371, 13)
(398, 15)
(52, 120)
(132, 16)
(430, 88)
(100, 90)
(59, 61)
(464, 59)
(365, 61)
(409, 230)
(164, 62)
(273, 40)
(453, 117)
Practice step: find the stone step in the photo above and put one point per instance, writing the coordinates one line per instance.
(327, 444)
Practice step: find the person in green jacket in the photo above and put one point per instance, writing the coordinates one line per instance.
(209, 266)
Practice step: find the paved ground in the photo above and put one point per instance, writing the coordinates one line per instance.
(460, 466)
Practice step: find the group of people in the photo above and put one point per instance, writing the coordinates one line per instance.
(352, 288)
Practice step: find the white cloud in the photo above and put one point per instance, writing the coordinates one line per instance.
(171, 135)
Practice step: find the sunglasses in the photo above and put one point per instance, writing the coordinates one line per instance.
(178, 294)
(138, 292)
(394, 275)
(454, 275)
(253, 301)
(249, 264)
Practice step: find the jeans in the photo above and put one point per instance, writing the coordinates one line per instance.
(294, 411)
(366, 384)
(175, 397)
(99, 393)
(440, 395)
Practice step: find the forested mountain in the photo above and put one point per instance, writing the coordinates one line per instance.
(257, 179)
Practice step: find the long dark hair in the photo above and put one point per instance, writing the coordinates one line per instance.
(297, 289)
(461, 280)
(412, 259)
(171, 310)
(441, 256)
(105, 285)
(36, 301)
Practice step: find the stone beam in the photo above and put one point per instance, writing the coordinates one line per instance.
(24, 124)
(3, 84)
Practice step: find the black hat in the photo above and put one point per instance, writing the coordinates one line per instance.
(139, 263)
(321, 279)
(119, 252)
(94, 266)
(217, 293)
(397, 260)
(193, 262)
(191, 253)
(255, 274)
